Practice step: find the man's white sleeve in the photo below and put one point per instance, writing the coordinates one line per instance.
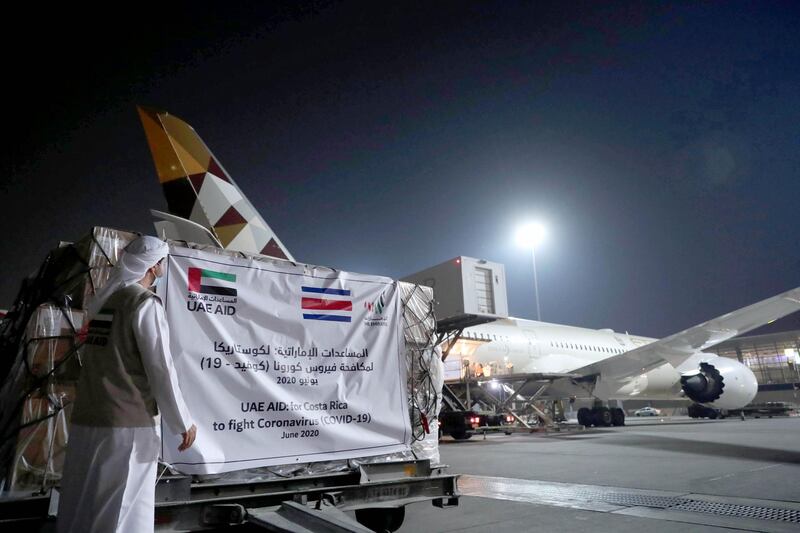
(152, 336)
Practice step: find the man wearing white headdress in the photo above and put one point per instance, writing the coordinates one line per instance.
(127, 380)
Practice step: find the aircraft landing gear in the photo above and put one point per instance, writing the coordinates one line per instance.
(601, 416)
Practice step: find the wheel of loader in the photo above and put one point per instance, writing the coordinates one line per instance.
(617, 416)
(602, 416)
(585, 417)
(460, 435)
(381, 519)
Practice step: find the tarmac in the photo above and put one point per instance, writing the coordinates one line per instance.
(656, 475)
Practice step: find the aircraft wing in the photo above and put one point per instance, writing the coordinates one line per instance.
(676, 348)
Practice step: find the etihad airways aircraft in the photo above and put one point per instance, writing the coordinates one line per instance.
(611, 365)
(207, 207)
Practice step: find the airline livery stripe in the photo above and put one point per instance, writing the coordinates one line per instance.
(223, 291)
(330, 305)
(331, 318)
(320, 290)
(218, 275)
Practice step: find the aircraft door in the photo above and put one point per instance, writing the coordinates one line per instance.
(534, 348)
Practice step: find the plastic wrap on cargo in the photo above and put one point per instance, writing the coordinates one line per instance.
(101, 250)
(419, 321)
(47, 381)
(51, 339)
(42, 441)
(46, 365)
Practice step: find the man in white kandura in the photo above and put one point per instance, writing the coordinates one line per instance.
(127, 378)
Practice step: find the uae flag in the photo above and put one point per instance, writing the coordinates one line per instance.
(211, 282)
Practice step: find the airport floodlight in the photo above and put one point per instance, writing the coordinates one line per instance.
(531, 235)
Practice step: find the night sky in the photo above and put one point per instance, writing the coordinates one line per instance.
(660, 143)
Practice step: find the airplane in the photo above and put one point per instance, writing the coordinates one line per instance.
(207, 207)
(619, 366)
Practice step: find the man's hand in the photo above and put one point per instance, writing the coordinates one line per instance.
(188, 438)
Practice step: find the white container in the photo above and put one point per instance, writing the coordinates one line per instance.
(466, 290)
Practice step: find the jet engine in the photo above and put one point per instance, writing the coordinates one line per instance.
(720, 382)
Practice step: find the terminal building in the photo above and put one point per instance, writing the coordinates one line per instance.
(775, 360)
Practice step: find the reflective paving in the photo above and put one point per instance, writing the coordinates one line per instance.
(782, 516)
(659, 476)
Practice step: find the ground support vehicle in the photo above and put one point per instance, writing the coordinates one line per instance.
(461, 424)
(765, 409)
(378, 493)
(697, 410)
(514, 403)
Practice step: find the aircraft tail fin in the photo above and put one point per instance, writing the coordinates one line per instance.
(198, 189)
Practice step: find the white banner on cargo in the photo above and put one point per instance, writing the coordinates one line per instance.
(283, 364)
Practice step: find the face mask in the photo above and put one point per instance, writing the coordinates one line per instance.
(156, 280)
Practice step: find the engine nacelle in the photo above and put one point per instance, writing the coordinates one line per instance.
(720, 382)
